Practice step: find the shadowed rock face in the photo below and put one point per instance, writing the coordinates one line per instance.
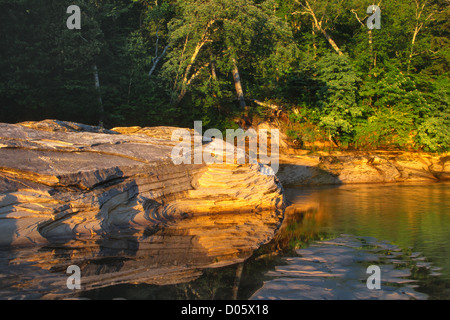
(113, 203)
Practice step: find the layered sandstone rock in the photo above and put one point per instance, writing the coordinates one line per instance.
(114, 203)
(360, 167)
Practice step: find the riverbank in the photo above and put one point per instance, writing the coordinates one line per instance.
(299, 167)
(346, 167)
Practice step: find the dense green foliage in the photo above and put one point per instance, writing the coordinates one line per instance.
(170, 62)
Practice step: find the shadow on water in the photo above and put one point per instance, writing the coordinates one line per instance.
(236, 281)
(125, 251)
(405, 226)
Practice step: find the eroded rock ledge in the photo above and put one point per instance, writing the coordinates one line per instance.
(362, 167)
(115, 194)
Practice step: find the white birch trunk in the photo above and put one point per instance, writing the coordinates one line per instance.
(238, 85)
(100, 102)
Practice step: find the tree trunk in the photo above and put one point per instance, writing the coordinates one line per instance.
(156, 60)
(100, 102)
(369, 32)
(413, 41)
(371, 48)
(318, 25)
(237, 281)
(186, 81)
(331, 41)
(419, 25)
(314, 41)
(213, 70)
(238, 85)
(188, 69)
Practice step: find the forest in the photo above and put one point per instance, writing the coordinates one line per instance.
(170, 62)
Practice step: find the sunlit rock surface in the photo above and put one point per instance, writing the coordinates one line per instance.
(362, 167)
(113, 203)
(337, 270)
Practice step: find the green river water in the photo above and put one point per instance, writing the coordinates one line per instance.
(414, 218)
